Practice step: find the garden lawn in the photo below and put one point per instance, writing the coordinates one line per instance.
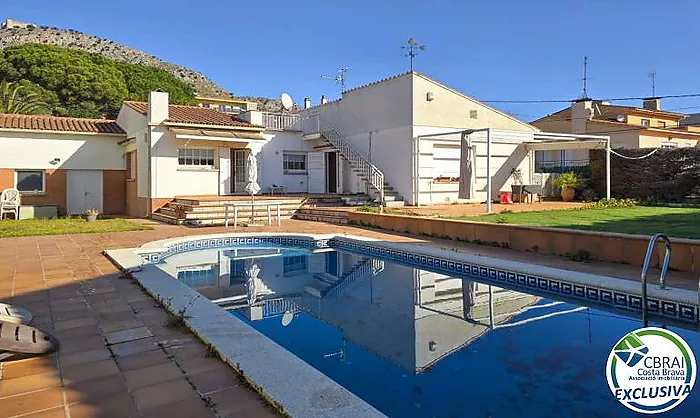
(646, 220)
(27, 227)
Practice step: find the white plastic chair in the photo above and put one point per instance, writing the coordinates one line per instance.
(9, 203)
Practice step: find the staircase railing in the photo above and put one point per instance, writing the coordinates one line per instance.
(316, 124)
(371, 267)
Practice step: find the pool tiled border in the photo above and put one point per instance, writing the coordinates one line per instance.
(314, 394)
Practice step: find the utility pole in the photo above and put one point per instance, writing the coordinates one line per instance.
(413, 48)
(339, 78)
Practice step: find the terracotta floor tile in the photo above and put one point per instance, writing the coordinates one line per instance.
(134, 347)
(152, 375)
(116, 406)
(80, 332)
(31, 402)
(193, 408)
(58, 412)
(93, 390)
(30, 383)
(81, 344)
(239, 401)
(200, 364)
(76, 374)
(113, 326)
(163, 394)
(83, 357)
(142, 360)
(74, 323)
(128, 335)
(28, 367)
(214, 380)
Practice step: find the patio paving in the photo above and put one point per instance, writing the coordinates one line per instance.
(118, 358)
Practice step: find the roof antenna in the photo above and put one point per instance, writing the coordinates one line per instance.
(585, 77)
(652, 76)
(339, 79)
(413, 49)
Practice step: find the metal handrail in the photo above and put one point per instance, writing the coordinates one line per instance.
(662, 276)
(373, 175)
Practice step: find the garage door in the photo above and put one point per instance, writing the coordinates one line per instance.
(84, 191)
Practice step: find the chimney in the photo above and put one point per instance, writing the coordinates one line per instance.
(581, 113)
(652, 103)
(157, 107)
(307, 103)
(323, 99)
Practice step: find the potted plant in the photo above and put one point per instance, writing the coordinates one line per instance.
(92, 214)
(567, 182)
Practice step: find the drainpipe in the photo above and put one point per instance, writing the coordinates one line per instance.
(607, 169)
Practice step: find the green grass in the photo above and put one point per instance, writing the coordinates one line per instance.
(28, 227)
(646, 220)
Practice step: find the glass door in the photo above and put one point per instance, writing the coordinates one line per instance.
(238, 171)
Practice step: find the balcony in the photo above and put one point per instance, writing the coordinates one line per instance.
(281, 121)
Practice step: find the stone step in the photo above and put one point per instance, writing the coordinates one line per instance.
(322, 218)
(165, 218)
(394, 204)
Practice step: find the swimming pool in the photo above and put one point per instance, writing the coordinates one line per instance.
(487, 340)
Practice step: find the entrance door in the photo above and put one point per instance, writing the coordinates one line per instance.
(84, 191)
(317, 172)
(332, 172)
(238, 171)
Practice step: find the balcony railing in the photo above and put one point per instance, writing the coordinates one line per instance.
(562, 166)
(282, 121)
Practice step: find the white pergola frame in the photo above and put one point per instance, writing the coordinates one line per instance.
(542, 141)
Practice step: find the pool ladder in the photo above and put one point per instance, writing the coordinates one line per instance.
(662, 276)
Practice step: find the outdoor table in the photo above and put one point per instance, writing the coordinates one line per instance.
(252, 205)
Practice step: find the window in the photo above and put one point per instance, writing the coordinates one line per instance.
(669, 145)
(473, 114)
(645, 122)
(195, 157)
(661, 124)
(205, 105)
(294, 162)
(295, 264)
(30, 181)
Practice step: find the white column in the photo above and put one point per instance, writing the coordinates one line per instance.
(607, 169)
(488, 170)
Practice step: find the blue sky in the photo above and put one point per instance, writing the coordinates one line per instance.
(491, 50)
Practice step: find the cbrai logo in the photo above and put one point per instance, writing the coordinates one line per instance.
(651, 370)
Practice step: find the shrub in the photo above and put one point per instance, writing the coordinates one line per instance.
(613, 203)
(569, 180)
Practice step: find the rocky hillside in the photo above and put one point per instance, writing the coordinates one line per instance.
(74, 39)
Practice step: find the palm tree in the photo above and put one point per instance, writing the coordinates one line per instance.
(15, 98)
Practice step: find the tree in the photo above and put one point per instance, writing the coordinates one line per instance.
(15, 99)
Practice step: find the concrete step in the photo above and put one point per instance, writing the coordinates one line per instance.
(165, 218)
(394, 204)
(241, 221)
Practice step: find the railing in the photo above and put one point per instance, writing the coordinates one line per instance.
(316, 124)
(645, 270)
(281, 121)
(562, 166)
(370, 267)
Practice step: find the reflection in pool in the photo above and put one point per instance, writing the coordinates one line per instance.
(414, 343)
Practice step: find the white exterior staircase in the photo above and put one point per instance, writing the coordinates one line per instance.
(316, 128)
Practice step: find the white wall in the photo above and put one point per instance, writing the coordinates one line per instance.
(134, 124)
(270, 161)
(35, 150)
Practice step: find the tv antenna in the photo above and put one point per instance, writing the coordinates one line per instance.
(585, 77)
(339, 78)
(413, 48)
(652, 77)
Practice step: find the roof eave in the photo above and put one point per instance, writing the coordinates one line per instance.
(256, 128)
(47, 131)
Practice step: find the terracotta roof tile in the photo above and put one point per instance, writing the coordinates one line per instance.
(59, 124)
(194, 115)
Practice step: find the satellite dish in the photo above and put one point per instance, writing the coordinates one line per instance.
(620, 118)
(287, 102)
(287, 318)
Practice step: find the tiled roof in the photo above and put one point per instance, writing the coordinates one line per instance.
(194, 115)
(59, 124)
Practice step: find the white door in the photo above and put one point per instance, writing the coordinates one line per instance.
(224, 171)
(84, 191)
(316, 162)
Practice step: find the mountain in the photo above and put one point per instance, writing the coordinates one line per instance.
(19, 33)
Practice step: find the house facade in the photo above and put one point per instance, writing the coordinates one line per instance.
(226, 104)
(627, 126)
(75, 164)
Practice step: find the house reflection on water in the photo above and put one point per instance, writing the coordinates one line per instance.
(410, 317)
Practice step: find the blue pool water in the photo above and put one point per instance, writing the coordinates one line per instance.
(414, 343)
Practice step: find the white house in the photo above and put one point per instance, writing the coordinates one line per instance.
(397, 140)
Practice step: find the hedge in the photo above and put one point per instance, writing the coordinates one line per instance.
(669, 175)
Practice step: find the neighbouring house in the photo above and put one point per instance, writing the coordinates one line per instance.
(225, 104)
(627, 126)
(394, 141)
(75, 164)
(16, 24)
